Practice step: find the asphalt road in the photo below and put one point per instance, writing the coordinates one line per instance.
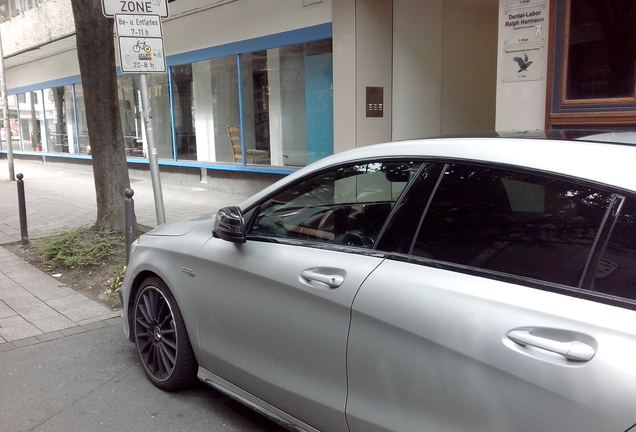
(93, 381)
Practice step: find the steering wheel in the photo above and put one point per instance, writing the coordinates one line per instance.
(353, 227)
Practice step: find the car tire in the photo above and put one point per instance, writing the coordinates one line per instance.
(161, 337)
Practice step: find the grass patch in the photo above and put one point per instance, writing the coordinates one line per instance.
(115, 281)
(81, 247)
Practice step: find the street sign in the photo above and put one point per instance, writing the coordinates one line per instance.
(138, 25)
(137, 7)
(141, 54)
(140, 43)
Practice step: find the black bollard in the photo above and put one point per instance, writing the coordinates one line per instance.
(24, 232)
(129, 212)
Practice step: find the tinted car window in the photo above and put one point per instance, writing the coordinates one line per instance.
(616, 272)
(347, 205)
(521, 224)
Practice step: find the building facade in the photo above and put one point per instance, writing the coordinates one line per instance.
(291, 81)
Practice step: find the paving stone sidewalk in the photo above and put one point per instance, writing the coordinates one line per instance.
(35, 307)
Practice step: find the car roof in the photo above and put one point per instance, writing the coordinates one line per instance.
(602, 162)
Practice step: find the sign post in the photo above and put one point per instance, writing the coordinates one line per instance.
(140, 40)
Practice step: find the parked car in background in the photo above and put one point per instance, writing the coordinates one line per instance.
(484, 284)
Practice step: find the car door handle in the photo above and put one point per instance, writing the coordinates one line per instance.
(331, 280)
(571, 350)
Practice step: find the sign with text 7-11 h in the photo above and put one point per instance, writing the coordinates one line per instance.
(141, 54)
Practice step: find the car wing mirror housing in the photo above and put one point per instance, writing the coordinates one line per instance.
(230, 225)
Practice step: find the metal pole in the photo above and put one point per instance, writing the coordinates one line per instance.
(152, 151)
(5, 115)
(129, 211)
(24, 232)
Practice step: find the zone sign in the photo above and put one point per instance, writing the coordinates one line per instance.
(136, 7)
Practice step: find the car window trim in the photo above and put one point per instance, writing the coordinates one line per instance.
(575, 292)
(405, 193)
(600, 242)
(336, 247)
(440, 177)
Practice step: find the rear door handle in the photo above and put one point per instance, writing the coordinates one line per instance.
(331, 280)
(571, 350)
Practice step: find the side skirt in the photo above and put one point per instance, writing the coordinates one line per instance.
(251, 401)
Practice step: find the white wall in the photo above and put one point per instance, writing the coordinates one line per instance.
(417, 68)
(374, 58)
(362, 57)
(344, 75)
(197, 24)
(58, 66)
(444, 67)
(469, 68)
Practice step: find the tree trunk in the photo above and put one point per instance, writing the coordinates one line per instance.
(96, 56)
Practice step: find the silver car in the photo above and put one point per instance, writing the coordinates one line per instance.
(435, 285)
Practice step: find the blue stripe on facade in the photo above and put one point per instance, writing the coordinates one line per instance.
(322, 31)
(47, 84)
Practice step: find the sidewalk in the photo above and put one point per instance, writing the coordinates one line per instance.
(35, 307)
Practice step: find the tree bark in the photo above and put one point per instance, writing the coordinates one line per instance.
(96, 56)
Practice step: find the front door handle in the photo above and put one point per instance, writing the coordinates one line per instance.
(571, 350)
(331, 280)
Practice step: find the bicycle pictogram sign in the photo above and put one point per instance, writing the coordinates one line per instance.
(141, 46)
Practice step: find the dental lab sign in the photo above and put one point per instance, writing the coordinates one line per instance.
(524, 30)
(110, 8)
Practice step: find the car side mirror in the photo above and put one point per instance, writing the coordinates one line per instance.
(230, 225)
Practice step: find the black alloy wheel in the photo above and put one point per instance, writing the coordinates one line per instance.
(161, 337)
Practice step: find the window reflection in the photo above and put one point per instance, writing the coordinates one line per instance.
(348, 205)
(616, 273)
(515, 223)
(601, 49)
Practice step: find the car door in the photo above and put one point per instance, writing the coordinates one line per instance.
(274, 312)
(488, 319)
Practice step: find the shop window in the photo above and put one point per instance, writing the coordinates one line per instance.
(184, 118)
(58, 120)
(159, 97)
(14, 126)
(130, 115)
(81, 126)
(288, 103)
(32, 128)
(594, 80)
(132, 122)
